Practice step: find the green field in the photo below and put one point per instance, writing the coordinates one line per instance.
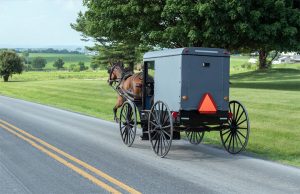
(272, 99)
(68, 58)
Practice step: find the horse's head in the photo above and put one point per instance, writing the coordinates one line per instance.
(115, 72)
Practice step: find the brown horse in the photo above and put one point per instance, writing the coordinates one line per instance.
(127, 81)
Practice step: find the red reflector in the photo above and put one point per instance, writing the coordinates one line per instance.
(229, 115)
(207, 105)
(174, 115)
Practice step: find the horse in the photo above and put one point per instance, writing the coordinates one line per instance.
(127, 81)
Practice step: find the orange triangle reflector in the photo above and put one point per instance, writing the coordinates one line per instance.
(207, 105)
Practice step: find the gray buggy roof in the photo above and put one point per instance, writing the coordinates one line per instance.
(186, 51)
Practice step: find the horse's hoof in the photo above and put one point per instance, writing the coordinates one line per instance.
(117, 120)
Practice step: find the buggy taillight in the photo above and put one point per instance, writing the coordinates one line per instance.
(175, 114)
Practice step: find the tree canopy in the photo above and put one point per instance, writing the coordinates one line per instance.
(59, 63)
(244, 25)
(117, 52)
(39, 62)
(10, 63)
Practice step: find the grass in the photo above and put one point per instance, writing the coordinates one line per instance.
(58, 75)
(67, 58)
(272, 99)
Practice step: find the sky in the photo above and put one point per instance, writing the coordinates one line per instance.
(39, 23)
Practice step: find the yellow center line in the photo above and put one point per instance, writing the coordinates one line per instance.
(72, 158)
(64, 162)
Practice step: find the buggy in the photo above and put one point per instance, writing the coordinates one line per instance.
(189, 93)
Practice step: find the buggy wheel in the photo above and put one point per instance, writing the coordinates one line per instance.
(160, 128)
(195, 137)
(235, 138)
(128, 122)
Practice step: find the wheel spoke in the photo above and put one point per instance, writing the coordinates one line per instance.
(237, 120)
(154, 129)
(155, 117)
(124, 117)
(125, 109)
(158, 144)
(237, 112)
(161, 147)
(233, 115)
(194, 137)
(154, 135)
(241, 122)
(169, 135)
(236, 141)
(162, 113)
(166, 127)
(153, 123)
(238, 137)
(188, 134)
(227, 138)
(241, 134)
(233, 141)
(226, 132)
(156, 140)
(125, 137)
(164, 142)
(165, 139)
(230, 141)
(123, 132)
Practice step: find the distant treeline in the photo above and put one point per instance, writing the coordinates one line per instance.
(49, 50)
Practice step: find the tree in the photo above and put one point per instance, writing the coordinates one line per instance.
(25, 55)
(117, 27)
(10, 63)
(82, 67)
(78, 67)
(59, 63)
(39, 63)
(94, 66)
(242, 25)
(117, 52)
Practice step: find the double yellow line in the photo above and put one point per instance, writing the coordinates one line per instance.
(46, 147)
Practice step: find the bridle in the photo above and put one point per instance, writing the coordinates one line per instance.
(118, 79)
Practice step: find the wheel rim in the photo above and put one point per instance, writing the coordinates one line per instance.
(235, 138)
(128, 123)
(195, 137)
(160, 125)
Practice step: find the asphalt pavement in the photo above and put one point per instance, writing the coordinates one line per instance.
(49, 150)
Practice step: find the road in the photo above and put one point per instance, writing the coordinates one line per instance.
(48, 150)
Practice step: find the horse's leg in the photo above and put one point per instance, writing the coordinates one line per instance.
(118, 105)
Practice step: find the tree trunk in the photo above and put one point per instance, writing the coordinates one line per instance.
(5, 78)
(263, 59)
